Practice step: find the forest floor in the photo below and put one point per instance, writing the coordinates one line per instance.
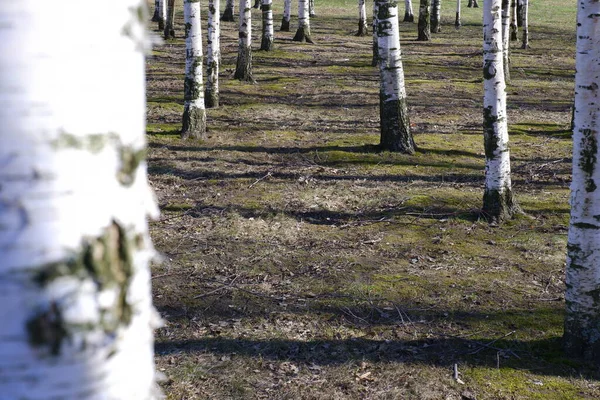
(302, 263)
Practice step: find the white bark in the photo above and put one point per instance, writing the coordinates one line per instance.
(498, 201)
(213, 55)
(436, 23)
(72, 112)
(266, 43)
(362, 18)
(408, 11)
(303, 33)
(243, 70)
(506, 38)
(287, 14)
(582, 320)
(457, 22)
(162, 13)
(194, 113)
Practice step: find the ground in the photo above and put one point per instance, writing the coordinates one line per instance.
(302, 263)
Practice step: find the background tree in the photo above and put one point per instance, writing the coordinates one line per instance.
(457, 22)
(266, 43)
(362, 19)
(498, 201)
(213, 55)
(582, 318)
(513, 20)
(229, 10)
(436, 6)
(375, 59)
(74, 243)
(473, 3)
(169, 32)
(408, 12)
(243, 69)
(505, 39)
(525, 19)
(194, 113)
(162, 14)
(303, 32)
(287, 13)
(394, 123)
(424, 27)
(311, 8)
(155, 16)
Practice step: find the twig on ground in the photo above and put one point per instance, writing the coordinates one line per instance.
(261, 178)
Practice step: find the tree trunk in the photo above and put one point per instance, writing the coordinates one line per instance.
(375, 60)
(162, 14)
(169, 32)
(229, 10)
(457, 22)
(394, 124)
(473, 3)
(194, 113)
(74, 245)
(582, 318)
(424, 28)
(408, 12)
(243, 69)
(436, 6)
(362, 19)
(519, 13)
(513, 20)
(256, 4)
(525, 12)
(287, 12)
(498, 201)
(311, 8)
(266, 43)
(155, 16)
(303, 32)
(213, 55)
(505, 39)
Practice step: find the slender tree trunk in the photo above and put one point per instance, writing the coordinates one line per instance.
(375, 60)
(395, 126)
(303, 32)
(424, 27)
(525, 44)
(162, 14)
(473, 3)
(194, 113)
(229, 10)
(362, 19)
(243, 69)
(519, 13)
(287, 13)
(74, 245)
(169, 32)
(213, 55)
(256, 4)
(311, 8)
(266, 43)
(155, 16)
(457, 22)
(436, 6)
(498, 201)
(582, 318)
(505, 39)
(408, 12)
(513, 20)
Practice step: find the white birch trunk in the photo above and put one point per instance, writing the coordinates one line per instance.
(311, 8)
(362, 18)
(266, 43)
(287, 13)
(525, 44)
(394, 124)
(436, 6)
(505, 39)
(457, 22)
(424, 25)
(513, 20)
(194, 112)
(408, 12)
(162, 14)
(498, 202)
(303, 32)
(582, 319)
(74, 279)
(229, 11)
(243, 70)
(213, 55)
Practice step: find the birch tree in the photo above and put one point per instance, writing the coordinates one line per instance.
(582, 318)
(303, 32)
(243, 69)
(266, 43)
(424, 27)
(362, 18)
(394, 124)
(505, 39)
(213, 55)
(408, 12)
(525, 27)
(457, 22)
(162, 14)
(155, 16)
(473, 3)
(436, 6)
(229, 10)
(169, 32)
(287, 13)
(194, 112)
(74, 277)
(513, 20)
(375, 60)
(311, 8)
(498, 201)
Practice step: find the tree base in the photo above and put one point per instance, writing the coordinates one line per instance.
(211, 99)
(155, 17)
(161, 25)
(285, 25)
(227, 15)
(578, 339)
(303, 35)
(362, 28)
(395, 127)
(408, 17)
(457, 23)
(498, 207)
(243, 69)
(267, 43)
(194, 123)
